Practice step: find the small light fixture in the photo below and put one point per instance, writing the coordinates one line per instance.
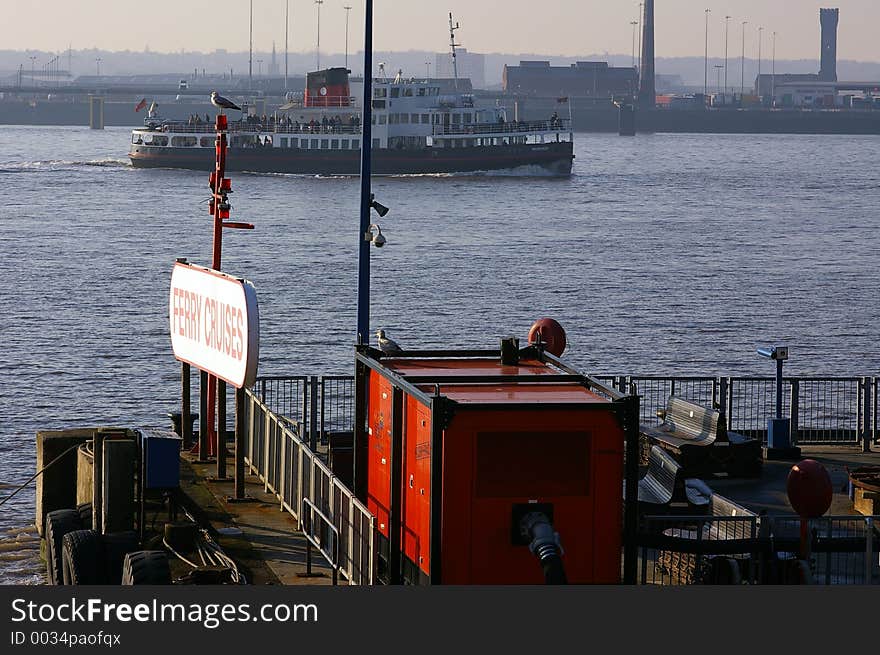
(382, 210)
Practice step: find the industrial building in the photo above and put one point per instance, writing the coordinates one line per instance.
(470, 65)
(584, 79)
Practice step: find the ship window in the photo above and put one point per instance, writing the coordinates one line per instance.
(314, 145)
(456, 119)
(407, 93)
(378, 104)
(393, 119)
(373, 120)
(468, 118)
(325, 143)
(380, 93)
(426, 119)
(334, 144)
(183, 141)
(304, 143)
(345, 144)
(414, 118)
(136, 139)
(206, 141)
(377, 143)
(355, 144)
(422, 91)
(382, 119)
(404, 118)
(395, 92)
(283, 142)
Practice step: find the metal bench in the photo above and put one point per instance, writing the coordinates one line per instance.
(664, 488)
(698, 438)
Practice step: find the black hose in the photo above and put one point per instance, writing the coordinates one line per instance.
(545, 546)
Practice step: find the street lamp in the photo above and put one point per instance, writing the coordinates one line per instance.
(98, 65)
(760, 42)
(367, 197)
(634, 24)
(726, 41)
(773, 74)
(318, 46)
(347, 14)
(742, 66)
(706, 62)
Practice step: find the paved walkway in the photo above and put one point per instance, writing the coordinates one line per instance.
(270, 547)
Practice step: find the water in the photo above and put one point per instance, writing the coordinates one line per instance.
(662, 254)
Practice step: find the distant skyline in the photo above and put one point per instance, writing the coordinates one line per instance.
(556, 27)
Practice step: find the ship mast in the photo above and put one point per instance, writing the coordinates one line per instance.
(454, 45)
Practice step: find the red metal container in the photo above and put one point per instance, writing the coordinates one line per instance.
(459, 447)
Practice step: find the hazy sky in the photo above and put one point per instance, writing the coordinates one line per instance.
(563, 27)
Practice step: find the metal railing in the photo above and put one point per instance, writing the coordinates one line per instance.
(679, 550)
(512, 127)
(826, 410)
(277, 454)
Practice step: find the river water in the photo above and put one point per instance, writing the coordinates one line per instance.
(661, 254)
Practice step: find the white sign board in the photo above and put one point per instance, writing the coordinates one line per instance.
(215, 323)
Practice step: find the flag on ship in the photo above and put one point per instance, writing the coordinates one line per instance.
(141, 105)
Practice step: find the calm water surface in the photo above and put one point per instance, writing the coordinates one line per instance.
(662, 254)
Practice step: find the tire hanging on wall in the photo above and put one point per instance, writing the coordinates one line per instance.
(58, 523)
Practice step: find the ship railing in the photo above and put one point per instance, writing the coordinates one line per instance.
(321, 102)
(277, 452)
(823, 410)
(687, 550)
(510, 127)
(270, 126)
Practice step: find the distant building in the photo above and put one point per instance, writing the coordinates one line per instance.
(470, 65)
(828, 19)
(583, 79)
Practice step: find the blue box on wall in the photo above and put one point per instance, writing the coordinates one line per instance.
(161, 453)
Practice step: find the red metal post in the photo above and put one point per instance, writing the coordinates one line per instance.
(219, 209)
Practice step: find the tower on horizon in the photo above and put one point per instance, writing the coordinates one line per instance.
(829, 18)
(647, 84)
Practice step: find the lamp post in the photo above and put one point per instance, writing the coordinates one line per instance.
(718, 68)
(347, 14)
(706, 58)
(634, 24)
(98, 65)
(760, 42)
(363, 305)
(641, 31)
(773, 74)
(318, 46)
(726, 41)
(742, 65)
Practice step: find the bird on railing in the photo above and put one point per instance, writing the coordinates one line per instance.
(387, 345)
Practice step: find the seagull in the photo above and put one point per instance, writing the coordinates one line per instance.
(222, 103)
(387, 345)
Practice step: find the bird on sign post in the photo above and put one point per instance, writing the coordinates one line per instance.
(222, 103)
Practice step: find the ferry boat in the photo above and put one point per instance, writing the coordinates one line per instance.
(415, 130)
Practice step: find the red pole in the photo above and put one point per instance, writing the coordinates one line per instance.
(218, 209)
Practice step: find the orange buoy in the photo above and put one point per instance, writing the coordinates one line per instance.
(550, 333)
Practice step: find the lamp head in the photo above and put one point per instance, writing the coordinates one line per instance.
(381, 209)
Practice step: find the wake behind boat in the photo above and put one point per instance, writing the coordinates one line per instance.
(416, 130)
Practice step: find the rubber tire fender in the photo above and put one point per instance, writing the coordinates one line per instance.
(81, 556)
(58, 523)
(146, 567)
